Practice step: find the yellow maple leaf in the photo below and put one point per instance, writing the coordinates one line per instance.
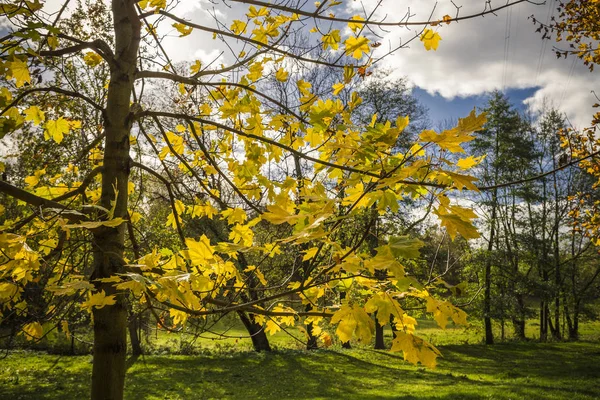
(199, 252)
(35, 115)
(254, 13)
(52, 42)
(385, 306)
(456, 219)
(18, 70)
(304, 87)
(92, 59)
(99, 300)
(34, 330)
(56, 129)
(196, 66)
(183, 29)
(356, 46)
(255, 71)
(351, 321)
(331, 40)
(235, 215)
(34, 179)
(430, 39)
(278, 215)
(159, 4)
(415, 349)
(355, 26)
(272, 327)
(337, 88)
(310, 253)
(238, 27)
(469, 162)
(282, 75)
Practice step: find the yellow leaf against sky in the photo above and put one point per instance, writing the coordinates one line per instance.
(282, 75)
(331, 40)
(337, 88)
(355, 26)
(196, 66)
(56, 129)
(356, 46)
(92, 59)
(18, 70)
(35, 115)
(469, 162)
(238, 27)
(183, 29)
(430, 39)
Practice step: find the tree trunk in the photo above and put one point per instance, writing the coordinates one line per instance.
(519, 321)
(110, 321)
(573, 323)
(487, 299)
(311, 344)
(379, 342)
(260, 342)
(134, 336)
(345, 345)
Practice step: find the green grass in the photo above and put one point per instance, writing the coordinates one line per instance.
(504, 371)
(228, 369)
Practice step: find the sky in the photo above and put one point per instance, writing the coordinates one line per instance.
(476, 56)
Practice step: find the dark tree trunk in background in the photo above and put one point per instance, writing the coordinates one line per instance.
(379, 339)
(260, 342)
(134, 336)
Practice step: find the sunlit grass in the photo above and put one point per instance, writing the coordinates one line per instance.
(505, 371)
(226, 368)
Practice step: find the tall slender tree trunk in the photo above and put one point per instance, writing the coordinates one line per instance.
(110, 322)
(487, 299)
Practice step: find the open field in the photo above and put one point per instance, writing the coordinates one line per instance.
(225, 369)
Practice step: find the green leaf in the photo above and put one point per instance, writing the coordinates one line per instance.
(404, 246)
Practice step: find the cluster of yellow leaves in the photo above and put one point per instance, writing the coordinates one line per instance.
(353, 321)
(456, 219)
(156, 4)
(276, 323)
(18, 262)
(415, 349)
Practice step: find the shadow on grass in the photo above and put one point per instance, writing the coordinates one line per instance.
(513, 371)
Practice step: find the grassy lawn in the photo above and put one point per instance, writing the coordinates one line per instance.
(467, 371)
(226, 368)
